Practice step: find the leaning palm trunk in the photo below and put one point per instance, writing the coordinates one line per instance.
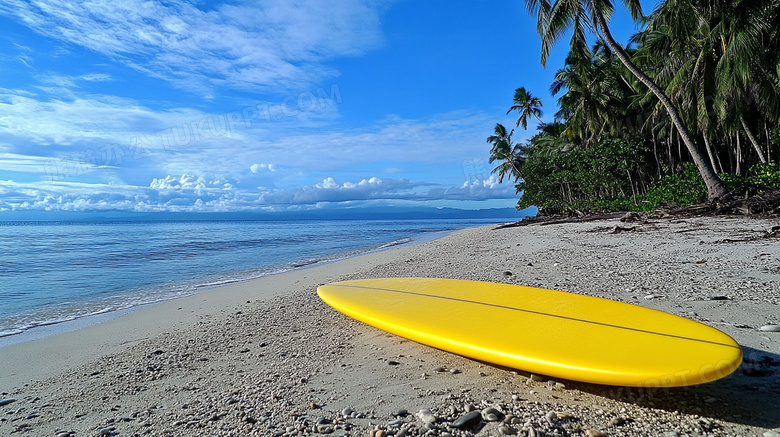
(752, 139)
(715, 186)
(710, 153)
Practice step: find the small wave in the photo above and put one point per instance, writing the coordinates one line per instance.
(306, 262)
(396, 243)
(221, 282)
(240, 278)
(11, 332)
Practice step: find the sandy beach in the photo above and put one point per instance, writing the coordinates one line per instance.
(267, 357)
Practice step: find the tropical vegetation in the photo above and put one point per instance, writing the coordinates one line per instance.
(689, 111)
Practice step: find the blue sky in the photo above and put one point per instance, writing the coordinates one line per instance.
(276, 105)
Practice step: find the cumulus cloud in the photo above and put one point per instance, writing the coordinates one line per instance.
(197, 184)
(237, 45)
(257, 168)
(481, 189)
(331, 191)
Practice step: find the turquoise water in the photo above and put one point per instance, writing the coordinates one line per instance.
(56, 272)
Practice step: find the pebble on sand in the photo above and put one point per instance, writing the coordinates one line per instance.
(467, 420)
(427, 416)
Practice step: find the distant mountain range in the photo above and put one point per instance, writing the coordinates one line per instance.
(386, 213)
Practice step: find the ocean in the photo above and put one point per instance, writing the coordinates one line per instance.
(57, 272)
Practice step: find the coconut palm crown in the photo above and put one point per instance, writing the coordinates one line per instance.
(527, 105)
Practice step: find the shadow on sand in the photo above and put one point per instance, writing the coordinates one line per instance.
(749, 396)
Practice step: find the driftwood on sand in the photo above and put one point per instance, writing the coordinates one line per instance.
(764, 205)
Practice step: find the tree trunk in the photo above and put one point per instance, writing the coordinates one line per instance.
(739, 156)
(655, 154)
(715, 186)
(768, 141)
(630, 181)
(709, 153)
(752, 139)
(679, 150)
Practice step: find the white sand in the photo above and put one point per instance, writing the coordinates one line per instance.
(267, 357)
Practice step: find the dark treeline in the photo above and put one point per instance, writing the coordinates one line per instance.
(616, 143)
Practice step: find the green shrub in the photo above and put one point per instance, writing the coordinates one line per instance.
(604, 177)
(760, 178)
(686, 188)
(764, 177)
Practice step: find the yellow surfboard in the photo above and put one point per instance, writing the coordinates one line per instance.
(549, 332)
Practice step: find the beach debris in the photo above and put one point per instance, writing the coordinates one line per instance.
(536, 378)
(594, 433)
(507, 273)
(619, 229)
(633, 217)
(770, 328)
(563, 415)
(720, 298)
(4, 402)
(617, 421)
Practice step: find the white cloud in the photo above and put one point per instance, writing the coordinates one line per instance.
(122, 134)
(257, 168)
(65, 82)
(197, 184)
(331, 191)
(482, 189)
(386, 189)
(247, 45)
(175, 194)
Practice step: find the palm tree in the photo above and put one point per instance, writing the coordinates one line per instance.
(506, 152)
(554, 19)
(710, 63)
(527, 105)
(595, 102)
(551, 141)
